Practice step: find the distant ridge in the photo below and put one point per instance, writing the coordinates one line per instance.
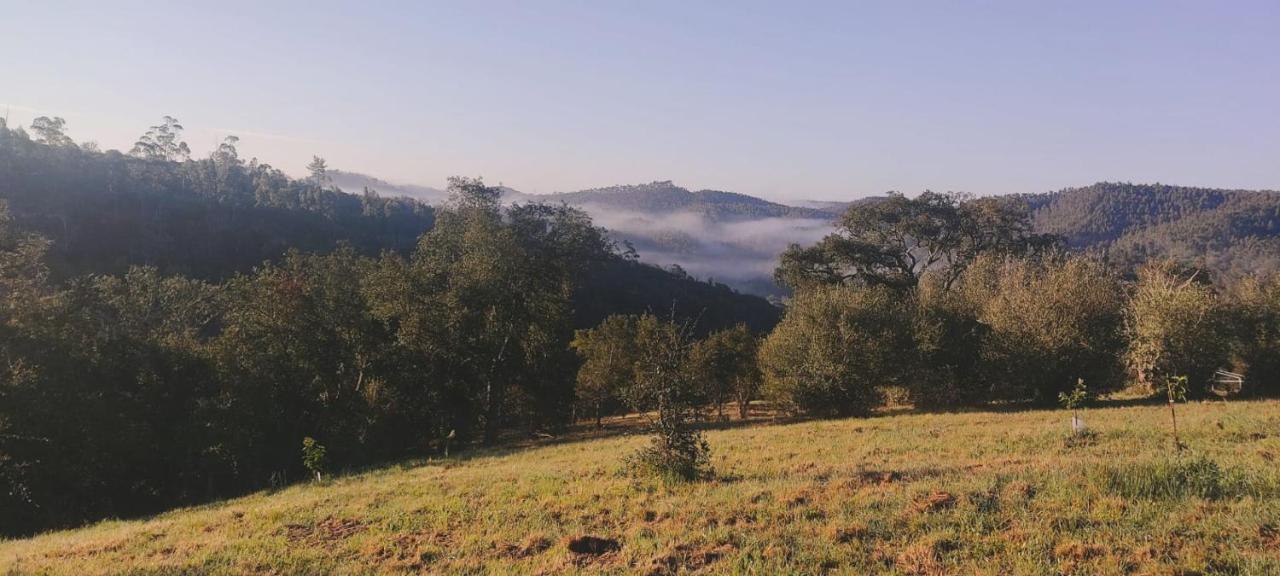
(1229, 231)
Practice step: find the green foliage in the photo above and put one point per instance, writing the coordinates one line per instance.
(1076, 397)
(724, 367)
(314, 456)
(1048, 322)
(662, 383)
(608, 363)
(894, 241)
(835, 348)
(1177, 326)
(1255, 314)
(1232, 232)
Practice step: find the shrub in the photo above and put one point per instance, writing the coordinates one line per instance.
(1255, 306)
(835, 348)
(314, 456)
(1050, 322)
(1176, 327)
(662, 383)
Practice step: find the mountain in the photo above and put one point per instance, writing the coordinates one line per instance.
(1234, 232)
(710, 234)
(664, 197)
(355, 183)
(735, 238)
(731, 238)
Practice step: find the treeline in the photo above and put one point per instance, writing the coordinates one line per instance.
(123, 394)
(1235, 233)
(954, 300)
(205, 218)
(128, 387)
(947, 301)
(210, 218)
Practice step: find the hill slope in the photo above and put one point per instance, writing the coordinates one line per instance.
(982, 492)
(1231, 231)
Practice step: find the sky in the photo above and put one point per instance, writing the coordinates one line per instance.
(786, 100)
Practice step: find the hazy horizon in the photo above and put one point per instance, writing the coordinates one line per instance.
(820, 102)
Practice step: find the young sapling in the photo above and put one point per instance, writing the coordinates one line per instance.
(1072, 401)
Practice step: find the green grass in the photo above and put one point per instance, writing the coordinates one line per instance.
(970, 493)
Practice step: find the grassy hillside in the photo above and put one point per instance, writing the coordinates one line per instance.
(981, 492)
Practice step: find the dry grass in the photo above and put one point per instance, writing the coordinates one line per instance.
(973, 493)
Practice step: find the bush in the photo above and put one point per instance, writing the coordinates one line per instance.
(1049, 322)
(662, 382)
(1255, 306)
(835, 348)
(314, 456)
(1176, 327)
(948, 340)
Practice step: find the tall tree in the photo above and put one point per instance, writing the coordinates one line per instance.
(51, 132)
(724, 364)
(608, 362)
(318, 171)
(894, 241)
(162, 142)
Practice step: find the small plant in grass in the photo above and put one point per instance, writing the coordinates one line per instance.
(314, 456)
(1176, 388)
(1072, 401)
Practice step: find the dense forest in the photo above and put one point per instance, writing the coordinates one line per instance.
(1233, 232)
(173, 327)
(175, 330)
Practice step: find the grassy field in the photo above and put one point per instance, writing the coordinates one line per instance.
(967, 493)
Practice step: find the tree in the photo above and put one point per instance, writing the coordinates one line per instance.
(608, 362)
(318, 171)
(52, 132)
(1255, 307)
(1049, 321)
(835, 349)
(724, 365)
(162, 142)
(662, 383)
(894, 241)
(488, 293)
(1176, 327)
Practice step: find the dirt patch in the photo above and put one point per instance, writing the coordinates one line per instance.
(328, 530)
(848, 534)
(592, 545)
(1077, 551)
(532, 546)
(411, 551)
(686, 558)
(934, 502)
(797, 499)
(878, 477)
(1269, 535)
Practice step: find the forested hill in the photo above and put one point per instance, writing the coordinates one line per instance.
(217, 216)
(1230, 231)
(664, 197)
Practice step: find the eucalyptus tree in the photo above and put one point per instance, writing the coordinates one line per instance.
(895, 240)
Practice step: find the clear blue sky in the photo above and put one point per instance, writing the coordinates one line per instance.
(788, 100)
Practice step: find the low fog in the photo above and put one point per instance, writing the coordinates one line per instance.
(740, 253)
